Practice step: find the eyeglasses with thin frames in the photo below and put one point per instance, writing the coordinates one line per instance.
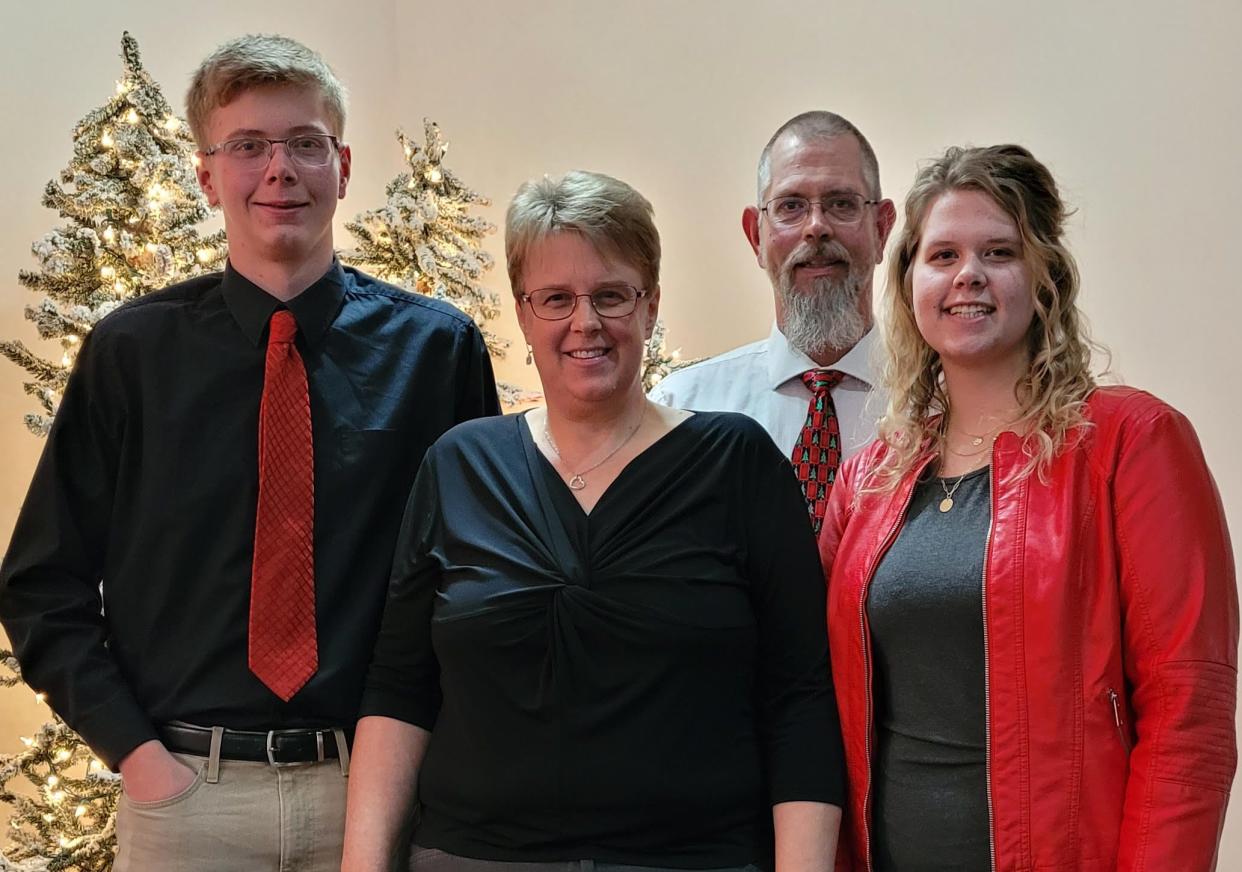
(609, 301)
(844, 209)
(311, 150)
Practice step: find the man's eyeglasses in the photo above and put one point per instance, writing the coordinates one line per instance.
(306, 149)
(844, 209)
(557, 304)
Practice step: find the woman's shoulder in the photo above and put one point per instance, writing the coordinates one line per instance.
(1114, 411)
(730, 428)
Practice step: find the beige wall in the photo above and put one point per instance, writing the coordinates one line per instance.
(1132, 104)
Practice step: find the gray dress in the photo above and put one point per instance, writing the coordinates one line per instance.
(925, 607)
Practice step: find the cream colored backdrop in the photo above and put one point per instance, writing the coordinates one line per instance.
(1134, 105)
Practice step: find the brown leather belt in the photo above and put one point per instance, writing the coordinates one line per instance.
(277, 747)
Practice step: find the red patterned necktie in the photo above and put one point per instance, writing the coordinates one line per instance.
(283, 647)
(818, 452)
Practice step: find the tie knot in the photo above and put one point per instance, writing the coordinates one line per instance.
(821, 380)
(283, 328)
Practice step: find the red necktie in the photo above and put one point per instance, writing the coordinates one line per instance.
(283, 647)
(818, 452)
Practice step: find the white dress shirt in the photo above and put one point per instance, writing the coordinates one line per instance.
(763, 380)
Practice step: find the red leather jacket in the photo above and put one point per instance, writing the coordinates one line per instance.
(1111, 633)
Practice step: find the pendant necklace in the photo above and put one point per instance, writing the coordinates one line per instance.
(577, 481)
(946, 505)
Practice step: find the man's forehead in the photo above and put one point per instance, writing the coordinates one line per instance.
(835, 160)
(283, 108)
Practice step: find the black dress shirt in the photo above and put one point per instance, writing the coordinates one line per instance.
(638, 685)
(126, 587)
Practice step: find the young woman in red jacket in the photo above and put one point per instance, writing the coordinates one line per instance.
(1032, 604)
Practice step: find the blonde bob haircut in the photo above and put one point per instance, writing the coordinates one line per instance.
(260, 61)
(614, 218)
(1052, 391)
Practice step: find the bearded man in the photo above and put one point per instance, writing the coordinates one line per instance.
(818, 230)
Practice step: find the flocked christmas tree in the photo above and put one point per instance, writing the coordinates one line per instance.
(63, 803)
(423, 238)
(130, 205)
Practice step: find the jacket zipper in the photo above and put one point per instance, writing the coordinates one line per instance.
(987, 697)
(1121, 724)
(887, 543)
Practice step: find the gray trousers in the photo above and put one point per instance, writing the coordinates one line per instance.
(238, 816)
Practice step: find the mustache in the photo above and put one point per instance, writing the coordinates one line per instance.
(822, 249)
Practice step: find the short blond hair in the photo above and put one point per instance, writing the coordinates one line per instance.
(256, 61)
(609, 214)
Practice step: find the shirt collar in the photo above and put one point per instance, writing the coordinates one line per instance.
(314, 309)
(786, 362)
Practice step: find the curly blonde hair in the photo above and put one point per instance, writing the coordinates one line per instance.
(1053, 390)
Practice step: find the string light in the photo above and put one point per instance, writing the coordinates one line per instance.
(132, 116)
(53, 780)
(62, 755)
(106, 139)
(172, 122)
(79, 811)
(40, 697)
(107, 272)
(152, 248)
(434, 176)
(205, 254)
(109, 234)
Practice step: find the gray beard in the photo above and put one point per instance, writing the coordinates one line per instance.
(826, 318)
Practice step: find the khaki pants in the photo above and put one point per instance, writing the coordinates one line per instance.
(254, 818)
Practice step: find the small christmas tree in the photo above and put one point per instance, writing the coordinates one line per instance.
(66, 818)
(423, 240)
(131, 203)
(658, 361)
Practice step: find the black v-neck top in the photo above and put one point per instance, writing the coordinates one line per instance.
(637, 685)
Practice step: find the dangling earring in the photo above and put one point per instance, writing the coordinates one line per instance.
(530, 355)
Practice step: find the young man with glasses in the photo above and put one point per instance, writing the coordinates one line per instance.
(818, 231)
(197, 575)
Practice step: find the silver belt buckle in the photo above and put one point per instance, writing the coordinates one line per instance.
(270, 744)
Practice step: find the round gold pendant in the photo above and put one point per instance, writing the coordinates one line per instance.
(946, 504)
(577, 483)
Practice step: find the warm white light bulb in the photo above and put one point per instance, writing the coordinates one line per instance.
(132, 116)
(109, 234)
(106, 140)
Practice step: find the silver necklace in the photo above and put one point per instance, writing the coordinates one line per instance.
(577, 480)
(946, 505)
